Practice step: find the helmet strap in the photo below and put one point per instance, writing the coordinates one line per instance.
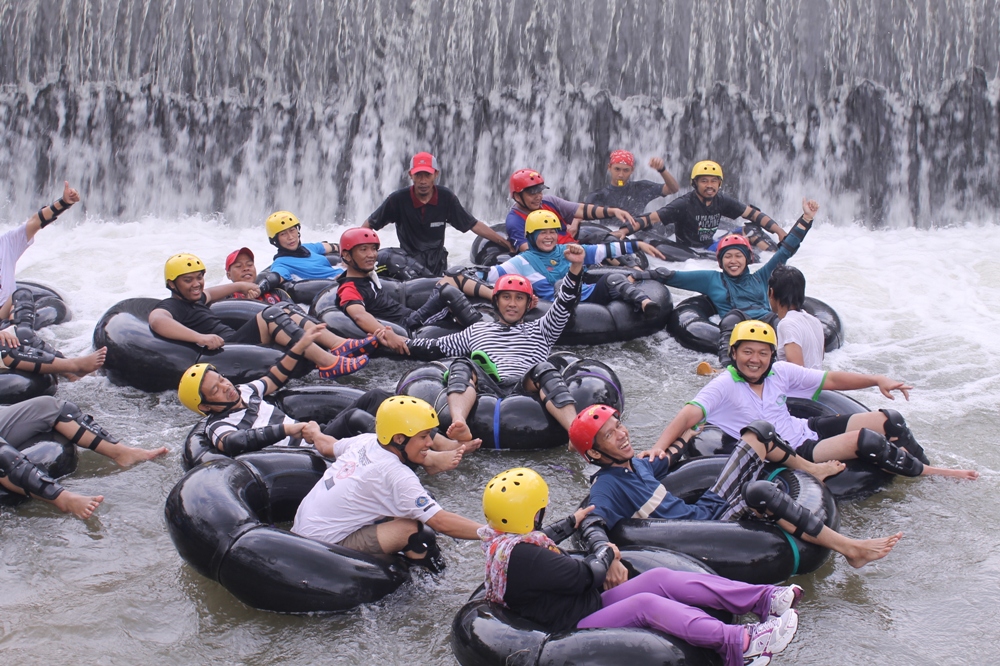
(605, 455)
(401, 449)
(539, 519)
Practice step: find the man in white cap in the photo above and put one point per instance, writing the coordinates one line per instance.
(420, 213)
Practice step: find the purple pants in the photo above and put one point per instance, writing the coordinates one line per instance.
(663, 599)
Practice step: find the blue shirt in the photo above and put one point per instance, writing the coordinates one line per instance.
(618, 493)
(314, 267)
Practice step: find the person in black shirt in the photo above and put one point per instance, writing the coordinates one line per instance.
(420, 213)
(186, 317)
(361, 296)
(697, 214)
(526, 572)
(632, 195)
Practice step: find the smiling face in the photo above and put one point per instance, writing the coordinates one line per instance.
(547, 239)
(512, 306)
(733, 262)
(418, 446)
(613, 439)
(216, 388)
(620, 173)
(289, 238)
(190, 286)
(243, 269)
(752, 358)
(707, 186)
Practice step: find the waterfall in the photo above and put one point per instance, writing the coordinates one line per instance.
(888, 110)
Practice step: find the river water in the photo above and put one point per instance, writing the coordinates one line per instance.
(917, 305)
(183, 120)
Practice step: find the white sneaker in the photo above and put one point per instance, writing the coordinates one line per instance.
(771, 637)
(783, 599)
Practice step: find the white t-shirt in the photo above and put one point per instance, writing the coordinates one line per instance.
(729, 403)
(366, 484)
(807, 332)
(257, 414)
(12, 246)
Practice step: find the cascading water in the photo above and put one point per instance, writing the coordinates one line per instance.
(888, 110)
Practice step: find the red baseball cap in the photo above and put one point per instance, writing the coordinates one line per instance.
(231, 259)
(423, 162)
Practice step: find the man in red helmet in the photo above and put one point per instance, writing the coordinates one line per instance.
(628, 487)
(518, 350)
(632, 195)
(526, 188)
(696, 215)
(361, 296)
(420, 213)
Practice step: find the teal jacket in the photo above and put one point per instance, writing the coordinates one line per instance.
(747, 291)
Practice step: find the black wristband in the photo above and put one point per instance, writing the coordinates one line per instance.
(804, 223)
(663, 170)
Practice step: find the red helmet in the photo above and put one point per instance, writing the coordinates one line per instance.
(517, 283)
(358, 236)
(730, 241)
(586, 424)
(522, 179)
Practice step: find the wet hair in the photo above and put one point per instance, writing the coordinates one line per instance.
(788, 285)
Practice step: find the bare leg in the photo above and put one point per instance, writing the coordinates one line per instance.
(393, 535)
(321, 357)
(327, 338)
(858, 552)
(72, 368)
(124, 456)
(459, 405)
(81, 506)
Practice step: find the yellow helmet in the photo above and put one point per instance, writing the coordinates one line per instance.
(278, 222)
(182, 263)
(752, 330)
(513, 498)
(541, 219)
(706, 168)
(403, 415)
(189, 390)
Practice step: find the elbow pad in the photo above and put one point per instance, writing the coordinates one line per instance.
(562, 530)
(268, 282)
(254, 439)
(593, 532)
(599, 563)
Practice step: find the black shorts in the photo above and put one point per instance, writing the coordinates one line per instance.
(824, 427)
(247, 334)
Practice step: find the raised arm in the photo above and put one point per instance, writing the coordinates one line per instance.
(764, 221)
(670, 185)
(46, 215)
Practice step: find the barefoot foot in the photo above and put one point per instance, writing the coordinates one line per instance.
(89, 363)
(126, 456)
(459, 431)
(81, 506)
(827, 469)
(869, 550)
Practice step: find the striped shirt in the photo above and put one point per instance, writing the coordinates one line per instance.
(545, 290)
(256, 414)
(514, 349)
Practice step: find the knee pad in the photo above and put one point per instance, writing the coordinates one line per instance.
(896, 428)
(275, 314)
(551, 382)
(766, 497)
(22, 311)
(460, 306)
(885, 455)
(85, 422)
(27, 359)
(460, 376)
(25, 475)
(424, 540)
(769, 438)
